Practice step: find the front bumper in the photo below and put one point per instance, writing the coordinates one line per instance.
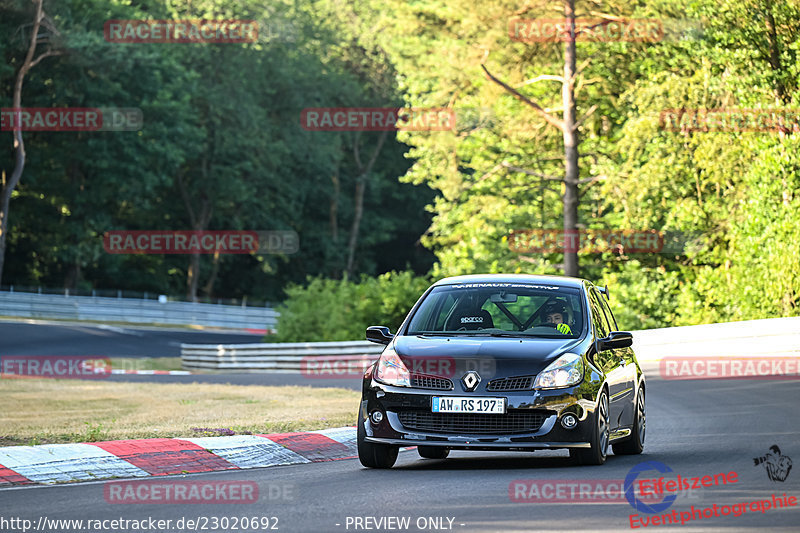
(547, 407)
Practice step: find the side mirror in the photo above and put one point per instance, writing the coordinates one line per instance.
(616, 339)
(379, 334)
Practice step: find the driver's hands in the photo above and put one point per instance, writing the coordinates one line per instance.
(563, 328)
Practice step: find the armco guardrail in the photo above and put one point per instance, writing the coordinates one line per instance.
(134, 310)
(775, 336)
(272, 357)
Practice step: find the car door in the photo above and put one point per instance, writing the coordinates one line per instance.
(610, 362)
(626, 357)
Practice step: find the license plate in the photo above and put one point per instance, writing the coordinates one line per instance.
(461, 404)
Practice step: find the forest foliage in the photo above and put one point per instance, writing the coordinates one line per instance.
(222, 124)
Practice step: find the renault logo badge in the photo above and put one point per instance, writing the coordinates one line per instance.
(470, 380)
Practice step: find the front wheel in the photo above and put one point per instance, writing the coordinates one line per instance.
(432, 452)
(373, 455)
(596, 455)
(635, 443)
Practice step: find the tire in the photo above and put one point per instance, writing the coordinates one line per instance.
(432, 452)
(596, 455)
(635, 443)
(374, 455)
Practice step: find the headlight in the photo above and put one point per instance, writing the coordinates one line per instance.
(565, 371)
(391, 370)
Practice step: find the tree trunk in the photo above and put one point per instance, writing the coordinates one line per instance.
(361, 184)
(9, 183)
(193, 277)
(73, 276)
(358, 212)
(199, 222)
(335, 269)
(781, 92)
(208, 288)
(568, 126)
(334, 208)
(570, 132)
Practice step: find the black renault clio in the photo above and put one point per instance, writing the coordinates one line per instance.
(504, 362)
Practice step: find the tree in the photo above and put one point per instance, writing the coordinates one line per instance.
(568, 126)
(9, 183)
(489, 174)
(733, 192)
(364, 169)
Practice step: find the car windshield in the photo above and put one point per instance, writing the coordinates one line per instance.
(500, 309)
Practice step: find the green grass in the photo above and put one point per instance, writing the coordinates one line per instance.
(45, 411)
(146, 363)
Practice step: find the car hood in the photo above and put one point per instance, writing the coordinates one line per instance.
(491, 357)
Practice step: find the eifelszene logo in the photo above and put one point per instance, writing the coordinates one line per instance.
(637, 503)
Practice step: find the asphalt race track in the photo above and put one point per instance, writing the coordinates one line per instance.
(254, 378)
(696, 428)
(27, 337)
(52, 338)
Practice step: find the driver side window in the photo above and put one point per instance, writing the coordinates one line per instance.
(598, 317)
(612, 322)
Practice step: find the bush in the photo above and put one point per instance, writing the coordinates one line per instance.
(341, 310)
(643, 297)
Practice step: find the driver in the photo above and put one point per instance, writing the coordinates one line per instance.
(556, 313)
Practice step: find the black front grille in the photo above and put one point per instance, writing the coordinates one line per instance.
(430, 382)
(510, 384)
(513, 422)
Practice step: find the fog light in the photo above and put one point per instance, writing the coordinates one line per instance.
(569, 421)
(376, 417)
